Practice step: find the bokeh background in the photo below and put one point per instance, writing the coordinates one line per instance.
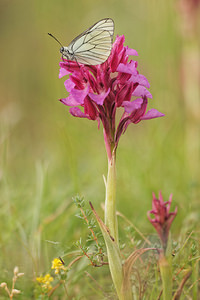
(47, 156)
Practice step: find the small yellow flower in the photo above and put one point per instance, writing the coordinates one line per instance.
(45, 281)
(57, 264)
(39, 279)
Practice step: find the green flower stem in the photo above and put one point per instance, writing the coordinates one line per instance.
(110, 202)
(116, 270)
(166, 275)
(112, 244)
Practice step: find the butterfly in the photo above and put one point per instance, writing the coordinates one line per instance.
(91, 47)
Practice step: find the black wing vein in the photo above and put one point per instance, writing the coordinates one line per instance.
(94, 45)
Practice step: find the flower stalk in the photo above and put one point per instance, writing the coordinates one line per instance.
(110, 201)
(166, 275)
(114, 258)
(116, 270)
(162, 222)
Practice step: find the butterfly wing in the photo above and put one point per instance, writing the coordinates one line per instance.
(93, 46)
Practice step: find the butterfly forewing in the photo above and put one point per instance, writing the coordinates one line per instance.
(93, 46)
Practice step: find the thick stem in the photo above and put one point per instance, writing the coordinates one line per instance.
(116, 270)
(110, 202)
(166, 275)
(114, 257)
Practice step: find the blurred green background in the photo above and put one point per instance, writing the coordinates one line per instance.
(47, 156)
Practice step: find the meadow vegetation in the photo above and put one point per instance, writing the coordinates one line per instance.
(49, 157)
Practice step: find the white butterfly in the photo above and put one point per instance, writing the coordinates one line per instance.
(93, 46)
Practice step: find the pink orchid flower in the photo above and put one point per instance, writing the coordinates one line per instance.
(163, 218)
(96, 92)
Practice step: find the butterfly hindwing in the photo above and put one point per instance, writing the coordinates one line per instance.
(94, 45)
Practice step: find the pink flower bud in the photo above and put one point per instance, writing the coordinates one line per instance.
(163, 218)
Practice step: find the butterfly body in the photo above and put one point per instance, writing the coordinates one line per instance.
(93, 46)
(66, 53)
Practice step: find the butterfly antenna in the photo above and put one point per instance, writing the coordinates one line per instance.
(55, 39)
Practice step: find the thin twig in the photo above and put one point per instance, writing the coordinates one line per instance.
(159, 296)
(180, 289)
(94, 236)
(75, 260)
(101, 222)
(54, 288)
